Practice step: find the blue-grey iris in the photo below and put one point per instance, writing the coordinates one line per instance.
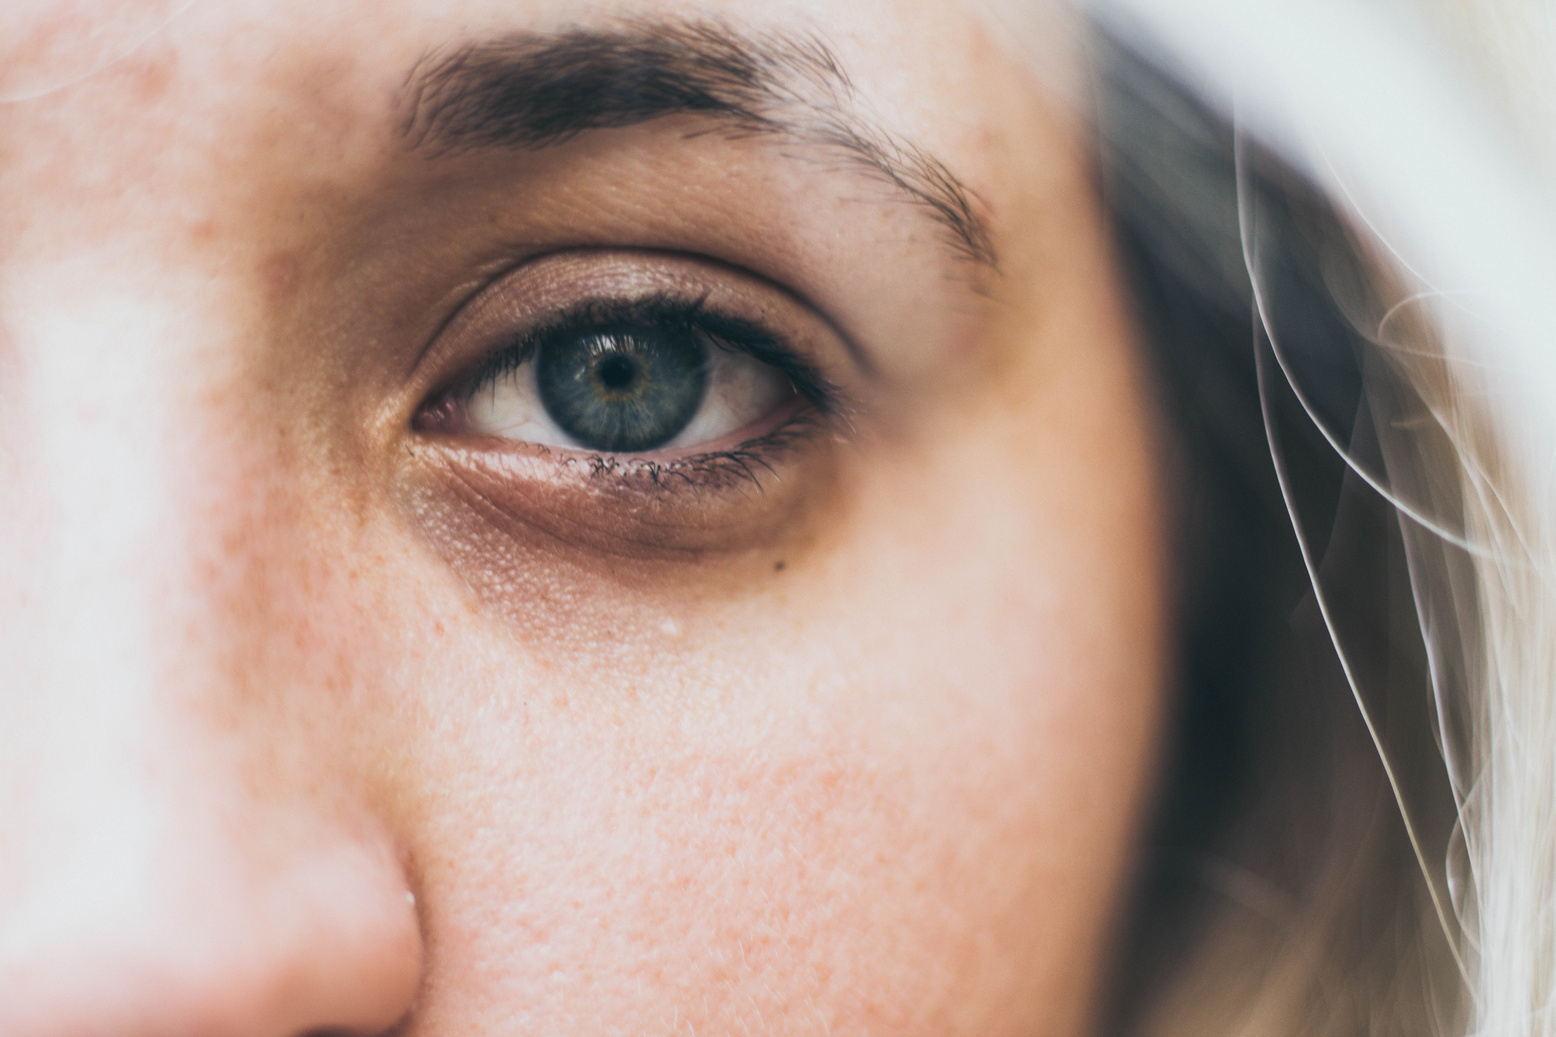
(623, 389)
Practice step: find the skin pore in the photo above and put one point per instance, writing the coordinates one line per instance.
(323, 711)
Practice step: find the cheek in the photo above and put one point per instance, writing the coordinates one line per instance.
(892, 789)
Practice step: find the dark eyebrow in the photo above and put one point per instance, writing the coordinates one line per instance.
(535, 90)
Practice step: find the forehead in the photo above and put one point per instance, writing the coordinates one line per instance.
(232, 131)
(197, 94)
(47, 46)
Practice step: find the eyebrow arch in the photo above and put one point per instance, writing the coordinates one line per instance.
(536, 90)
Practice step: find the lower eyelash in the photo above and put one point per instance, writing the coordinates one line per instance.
(716, 470)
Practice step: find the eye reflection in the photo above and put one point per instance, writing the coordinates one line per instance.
(625, 389)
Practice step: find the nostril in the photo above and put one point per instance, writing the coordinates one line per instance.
(399, 1029)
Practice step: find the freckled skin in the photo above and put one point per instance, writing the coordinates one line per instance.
(314, 721)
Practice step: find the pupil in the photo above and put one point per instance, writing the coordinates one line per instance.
(617, 372)
(624, 388)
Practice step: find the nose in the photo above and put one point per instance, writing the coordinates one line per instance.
(187, 913)
(171, 865)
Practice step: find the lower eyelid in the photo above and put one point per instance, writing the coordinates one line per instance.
(535, 499)
(737, 457)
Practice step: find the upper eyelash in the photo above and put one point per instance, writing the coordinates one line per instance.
(724, 330)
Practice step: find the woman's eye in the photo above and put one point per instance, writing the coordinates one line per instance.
(626, 388)
(659, 359)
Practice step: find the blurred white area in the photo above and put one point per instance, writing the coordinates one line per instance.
(1430, 121)
(1512, 47)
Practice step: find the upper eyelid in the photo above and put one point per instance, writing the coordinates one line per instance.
(494, 275)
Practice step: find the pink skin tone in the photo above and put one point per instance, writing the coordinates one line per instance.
(315, 718)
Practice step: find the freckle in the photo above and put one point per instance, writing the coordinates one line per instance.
(203, 233)
(153, 79)
(778, 567)
(670, 628)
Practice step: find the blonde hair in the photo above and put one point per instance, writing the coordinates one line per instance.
(1342, 252)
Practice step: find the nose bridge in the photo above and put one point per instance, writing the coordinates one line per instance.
(157, 878)
(91, 521)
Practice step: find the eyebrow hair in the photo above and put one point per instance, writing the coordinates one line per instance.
(537, 90)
